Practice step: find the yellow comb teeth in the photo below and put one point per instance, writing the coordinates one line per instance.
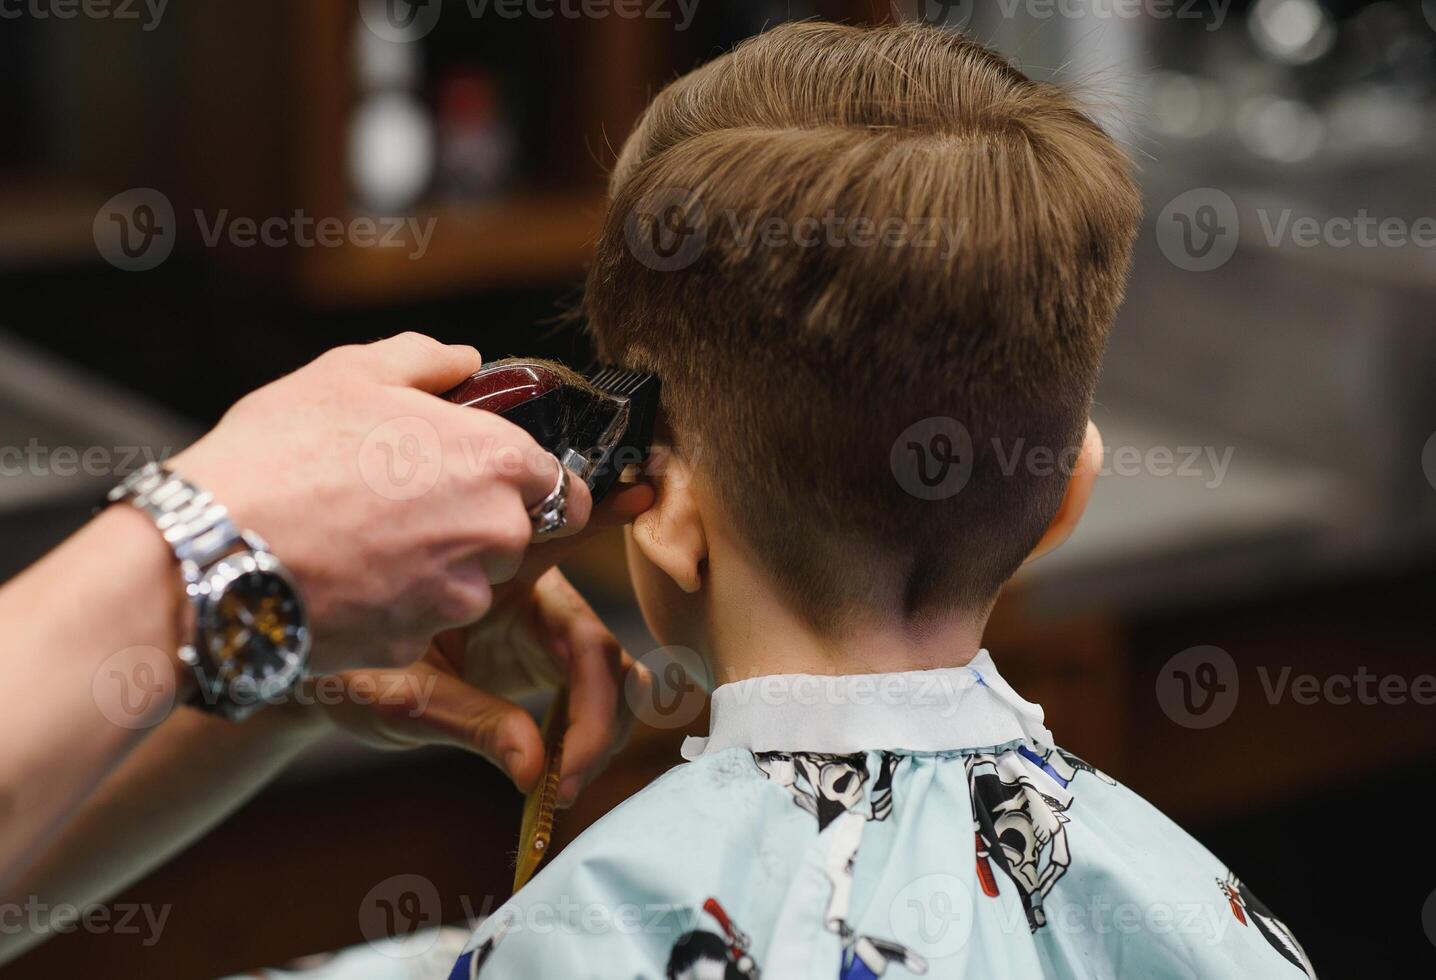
(536, 830)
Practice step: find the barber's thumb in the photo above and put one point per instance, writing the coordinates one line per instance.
(464, 716)
(507, 736)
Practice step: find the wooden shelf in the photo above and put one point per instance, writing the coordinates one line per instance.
(522, 239)
(46, 221)
(282, 147)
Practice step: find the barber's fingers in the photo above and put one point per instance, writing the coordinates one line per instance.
(497, 729)
(435, 707)
(499, 450)
(623, 504)
(597, 667)
(600, 714)
(412, 360)
(545, 481)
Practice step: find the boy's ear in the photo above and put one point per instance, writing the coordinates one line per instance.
(1079, 490)
(670, 533)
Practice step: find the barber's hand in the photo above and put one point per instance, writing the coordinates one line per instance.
(398, 512)
(537, 635)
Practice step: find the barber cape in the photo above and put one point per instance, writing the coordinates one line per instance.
(882, 825)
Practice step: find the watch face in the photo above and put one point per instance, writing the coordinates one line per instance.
(254, 628)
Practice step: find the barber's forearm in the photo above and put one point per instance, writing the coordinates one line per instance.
(87, 668)
(190, 774)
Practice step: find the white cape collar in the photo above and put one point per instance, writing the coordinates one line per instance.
(948, 709)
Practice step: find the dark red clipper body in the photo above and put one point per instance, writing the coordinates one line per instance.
(596, 434)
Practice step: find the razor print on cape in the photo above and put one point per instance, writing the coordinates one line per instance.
(834, 789)
(1020, 800)
(1249, 911)
(700, 955)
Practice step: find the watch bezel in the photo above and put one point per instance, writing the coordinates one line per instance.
(244, 692)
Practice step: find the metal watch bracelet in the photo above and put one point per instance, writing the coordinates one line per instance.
(203, 537)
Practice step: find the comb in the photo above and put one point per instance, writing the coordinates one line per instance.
(536, 829)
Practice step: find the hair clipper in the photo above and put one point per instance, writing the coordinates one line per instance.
(596, 425)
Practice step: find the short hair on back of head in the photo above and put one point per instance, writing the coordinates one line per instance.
(792, 363)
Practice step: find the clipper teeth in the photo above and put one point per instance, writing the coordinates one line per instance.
(617, 381)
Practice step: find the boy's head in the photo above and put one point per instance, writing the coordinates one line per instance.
(829, 235)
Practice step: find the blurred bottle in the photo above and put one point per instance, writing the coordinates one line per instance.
(476, 142)
(391, 131)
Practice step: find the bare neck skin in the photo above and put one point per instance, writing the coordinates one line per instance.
(751, 632)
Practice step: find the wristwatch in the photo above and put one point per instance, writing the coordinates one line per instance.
(249, 643)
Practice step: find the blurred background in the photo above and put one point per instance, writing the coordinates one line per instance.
(195, 199)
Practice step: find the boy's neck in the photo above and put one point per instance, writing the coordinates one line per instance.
(753, 633)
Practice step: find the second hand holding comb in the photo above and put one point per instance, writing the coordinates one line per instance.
(595, 426)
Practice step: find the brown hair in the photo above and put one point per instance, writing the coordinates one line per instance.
(794, 364)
